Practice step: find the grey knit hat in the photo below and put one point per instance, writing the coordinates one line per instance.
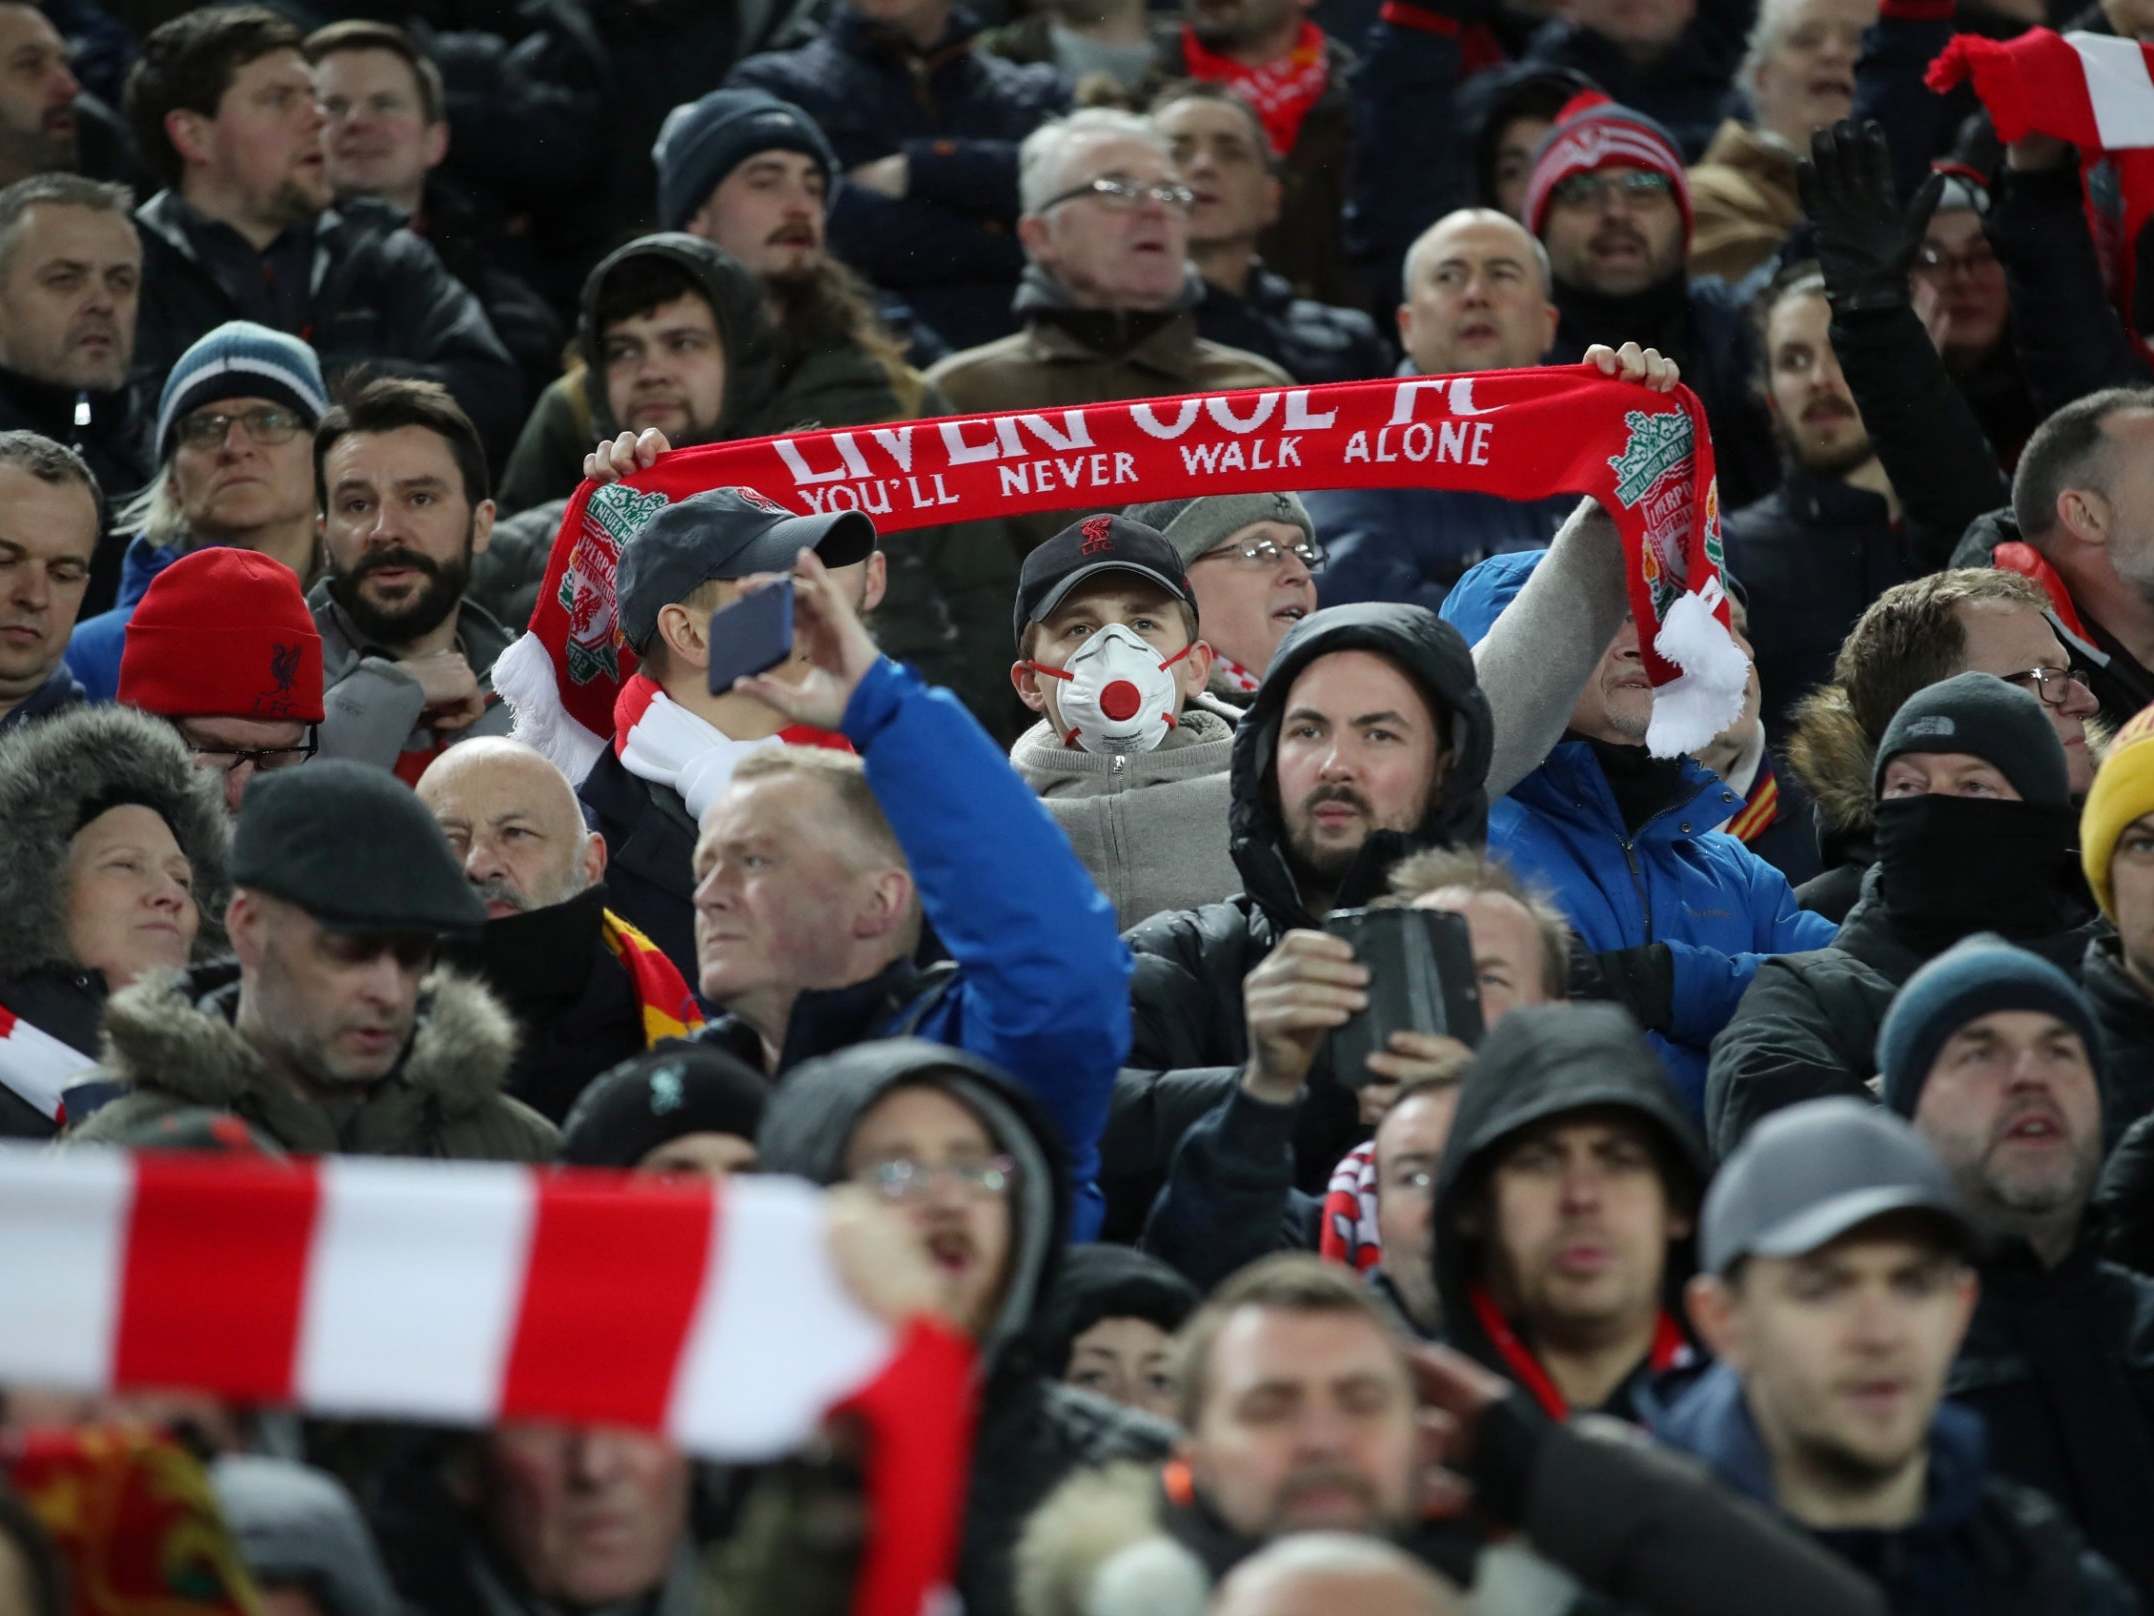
(1196, 526)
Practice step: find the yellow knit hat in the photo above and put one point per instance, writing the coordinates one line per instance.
(2123, 792)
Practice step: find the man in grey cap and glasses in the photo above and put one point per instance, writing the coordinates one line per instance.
(676, 742)
(1836, 1290)
(330, 1032)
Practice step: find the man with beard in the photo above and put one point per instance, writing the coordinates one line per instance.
(1995, 1055)
(38, 125)
(1274, 55)
(234, 467)
(1836, 1294)
(70, 285)
(1610, 200)
(407, 661)
(223, 109)
(1679, 915)
(586, 988)
(1830, 539)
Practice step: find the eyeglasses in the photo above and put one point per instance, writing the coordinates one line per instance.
(1124, 195)
(905, 1180)
(1593, 190)
(268, 425)
(2053, 685)
(1937, 264)
(266, 760)
(1266, 553)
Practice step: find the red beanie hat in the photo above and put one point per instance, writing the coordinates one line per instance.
(223, 633)
(1592, 133)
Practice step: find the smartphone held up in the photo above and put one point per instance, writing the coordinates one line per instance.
(1421, 979)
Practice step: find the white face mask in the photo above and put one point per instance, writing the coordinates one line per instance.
(1119, 695)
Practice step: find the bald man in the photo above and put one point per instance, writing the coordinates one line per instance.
(587, 989)
(1324, 1573)
(1478, 297)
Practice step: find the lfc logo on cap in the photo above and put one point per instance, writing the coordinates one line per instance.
(1098, 535)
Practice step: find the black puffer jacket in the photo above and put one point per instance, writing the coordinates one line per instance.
(1186, 995)
(1033, 1432)
(1807, 1025)
(2059, 1362)
(1537, 1064)
(2125, 1013)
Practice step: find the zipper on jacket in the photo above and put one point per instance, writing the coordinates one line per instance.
(1637, 877)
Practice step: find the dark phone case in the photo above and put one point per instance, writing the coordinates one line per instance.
(1421, 979)
(753, 635)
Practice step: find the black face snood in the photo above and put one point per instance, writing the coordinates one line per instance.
(1956, 865)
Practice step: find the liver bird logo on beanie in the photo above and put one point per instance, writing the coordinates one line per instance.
(283, 667)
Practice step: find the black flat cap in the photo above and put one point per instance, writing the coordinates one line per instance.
(354, 848)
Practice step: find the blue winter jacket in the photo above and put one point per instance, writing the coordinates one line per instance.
(93, 650)
(1042, 985)
(1718, 907)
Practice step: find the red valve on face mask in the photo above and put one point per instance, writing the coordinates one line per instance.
(1117, 695)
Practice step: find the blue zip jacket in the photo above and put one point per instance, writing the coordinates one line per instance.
(93, 650)
(1718, 907)
(1042, 984)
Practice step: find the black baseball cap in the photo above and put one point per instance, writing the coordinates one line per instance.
(1807, 1175)
(723, 533)
(355, 848)
(1096, 544)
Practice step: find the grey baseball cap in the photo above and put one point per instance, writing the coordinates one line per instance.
(1807, 1175)
(723, 533)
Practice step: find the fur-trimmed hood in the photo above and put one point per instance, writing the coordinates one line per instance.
(1088, 1523)
(172, 1036)
(1832, 757)
(50, 771)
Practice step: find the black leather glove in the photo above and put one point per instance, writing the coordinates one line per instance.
(1866, 243)
(1640, 979)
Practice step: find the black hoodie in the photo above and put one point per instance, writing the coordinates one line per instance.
(1540, 1062)
(1033, 1432)
(1186, 995)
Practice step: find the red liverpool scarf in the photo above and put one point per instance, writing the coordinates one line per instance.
(1282, 91)
(470, 1293)
(1518, 434)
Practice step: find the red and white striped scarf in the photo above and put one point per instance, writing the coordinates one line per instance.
(473, 1293)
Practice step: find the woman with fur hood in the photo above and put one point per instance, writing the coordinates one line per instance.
(112, 864)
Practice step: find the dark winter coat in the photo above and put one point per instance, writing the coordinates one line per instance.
(2078, 345)
(1560, 1066)
(108, 432)
(50, 774)
(2125, 1013)
(1814, 553)
(1807, 1027)
(1189, 1032)
(60, 691)
(576, 1014)
(956, 114)
(2059, 1362)
(1827, 751)
(2124, 1200)
(170, 1040)
(1230, 1196)
(1983, 1546)
(1032, 1432)
(380, 298)
(650, 856)
(1312, 342)
(472, 241)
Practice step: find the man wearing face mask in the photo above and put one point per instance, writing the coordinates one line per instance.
(1975, 832)
(1108, 656)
